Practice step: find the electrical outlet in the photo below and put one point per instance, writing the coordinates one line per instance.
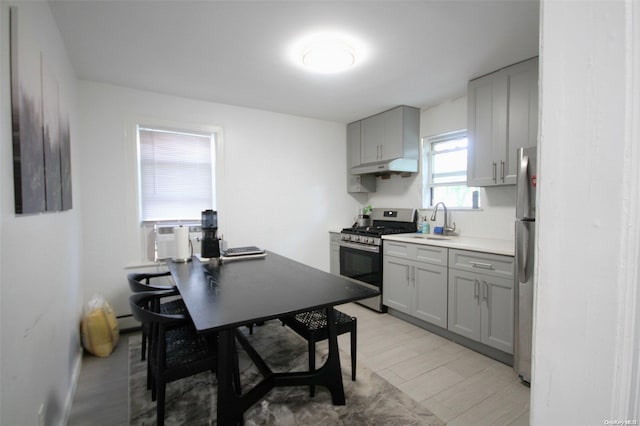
(41, 415)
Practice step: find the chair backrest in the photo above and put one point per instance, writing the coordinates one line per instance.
(142, 308)
(140, 282)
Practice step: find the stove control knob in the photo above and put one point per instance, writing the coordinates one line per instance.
(356, 238)
(346, 237)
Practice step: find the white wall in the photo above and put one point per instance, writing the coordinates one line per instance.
(40, 292)
(586, 333)
(283, 185)
(494, 220)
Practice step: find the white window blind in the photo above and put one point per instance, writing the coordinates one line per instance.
(176, 174)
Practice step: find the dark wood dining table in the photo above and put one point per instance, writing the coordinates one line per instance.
(222, 296)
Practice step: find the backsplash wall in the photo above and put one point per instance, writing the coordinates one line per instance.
(496, 217)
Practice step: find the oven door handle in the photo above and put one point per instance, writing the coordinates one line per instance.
(372, 249)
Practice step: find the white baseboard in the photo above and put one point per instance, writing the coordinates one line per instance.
(75, 375)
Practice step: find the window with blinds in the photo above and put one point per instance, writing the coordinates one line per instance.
(176, 174)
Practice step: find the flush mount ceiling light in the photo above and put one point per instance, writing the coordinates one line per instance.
(328, 56)
(327, 52)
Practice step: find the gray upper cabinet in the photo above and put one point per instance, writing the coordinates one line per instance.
(391, 134)
(502, 117)
(356, 183)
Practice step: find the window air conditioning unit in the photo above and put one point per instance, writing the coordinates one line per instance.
(165, 243)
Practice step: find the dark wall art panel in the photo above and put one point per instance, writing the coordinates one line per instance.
(65, 155)
(41, 144)
(51, 138)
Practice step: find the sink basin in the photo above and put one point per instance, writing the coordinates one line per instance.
(434, 237)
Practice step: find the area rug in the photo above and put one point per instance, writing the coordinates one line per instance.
(369, 401)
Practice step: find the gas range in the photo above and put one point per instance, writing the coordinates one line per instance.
(384, 222)
(368, 234)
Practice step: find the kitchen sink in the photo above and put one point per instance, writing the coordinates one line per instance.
(434, 237)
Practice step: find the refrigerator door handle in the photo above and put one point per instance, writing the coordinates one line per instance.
(522, 185)
(522, 251)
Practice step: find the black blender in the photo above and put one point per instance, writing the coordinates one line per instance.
(210, 243)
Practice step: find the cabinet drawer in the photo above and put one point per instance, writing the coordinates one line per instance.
(485, 263)
(393, 248)
(420, 252)
(432, 254)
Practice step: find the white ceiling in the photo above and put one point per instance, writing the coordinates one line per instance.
(235, 52)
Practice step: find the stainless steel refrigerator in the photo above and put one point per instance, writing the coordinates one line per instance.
(525, 243)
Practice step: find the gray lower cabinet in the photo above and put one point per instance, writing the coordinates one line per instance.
(334, 247)
(397, 283)
(415, 280)
(481, 298)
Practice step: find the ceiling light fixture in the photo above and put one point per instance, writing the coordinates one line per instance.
(327, 52)
(328, 56)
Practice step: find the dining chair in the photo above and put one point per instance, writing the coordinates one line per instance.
(141, 282)
(312, 326)
(176, 349)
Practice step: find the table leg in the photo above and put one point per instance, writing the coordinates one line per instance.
(227, 410)
(334, 384)
(232, 404)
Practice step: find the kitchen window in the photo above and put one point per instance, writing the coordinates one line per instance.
(445, 171)
(176, 174)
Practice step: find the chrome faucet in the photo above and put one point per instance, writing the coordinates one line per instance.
(446, 229)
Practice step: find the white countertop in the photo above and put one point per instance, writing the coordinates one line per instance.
(486, 245)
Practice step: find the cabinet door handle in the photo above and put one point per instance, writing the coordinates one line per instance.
(481, 265)
(485, 291)
(476, 289)
(502, 170)
(495, 172)
(408, 276)
(413, 273)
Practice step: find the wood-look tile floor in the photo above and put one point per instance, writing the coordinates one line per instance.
(458, 385)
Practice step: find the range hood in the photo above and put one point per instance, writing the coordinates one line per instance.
(399, 165)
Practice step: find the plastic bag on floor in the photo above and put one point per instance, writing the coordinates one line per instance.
(99, 328)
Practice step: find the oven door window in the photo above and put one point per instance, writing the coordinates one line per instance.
(361, 265)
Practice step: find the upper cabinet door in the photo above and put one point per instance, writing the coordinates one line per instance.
(357, 183)
(393, 144)
(502, 116)
(523, 112)
(353, 144)
(372, 139)
(486, 129)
